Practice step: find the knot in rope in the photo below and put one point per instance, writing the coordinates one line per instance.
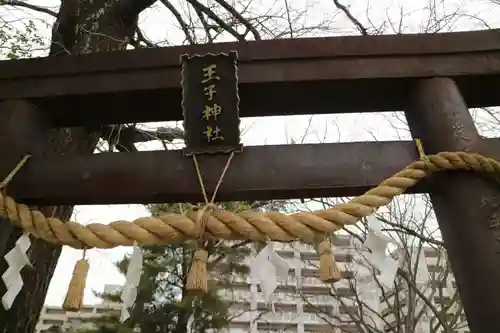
(210, 206)
(197, 275)
(201, 256)
(204, 214)
(324, 247)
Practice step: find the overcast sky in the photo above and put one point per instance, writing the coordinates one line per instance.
(157, 23)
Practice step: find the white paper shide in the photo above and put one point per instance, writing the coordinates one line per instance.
(133, 277)
(371, 258)
(16, 259)
(266, 269)
(377, 242)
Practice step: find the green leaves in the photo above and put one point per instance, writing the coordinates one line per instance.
(19, 40)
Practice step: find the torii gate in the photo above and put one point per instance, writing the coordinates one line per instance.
(433, 78)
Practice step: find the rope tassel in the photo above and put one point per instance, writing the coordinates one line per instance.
(197, 276)
(328, 269)
(74, 297)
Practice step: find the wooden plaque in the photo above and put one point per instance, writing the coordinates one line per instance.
(210, 103)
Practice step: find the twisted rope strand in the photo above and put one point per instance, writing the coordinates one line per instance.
(176, 228)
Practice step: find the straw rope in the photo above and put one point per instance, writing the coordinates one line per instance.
(176, 228)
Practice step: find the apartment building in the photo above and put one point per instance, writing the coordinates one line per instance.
(52, 316)
(304, 304)
(301, 303)
(437, 284)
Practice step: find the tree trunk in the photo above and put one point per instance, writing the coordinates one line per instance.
(82, 27)
(184, 315)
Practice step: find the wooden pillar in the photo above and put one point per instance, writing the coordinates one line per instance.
(22, 130)
(466, 206)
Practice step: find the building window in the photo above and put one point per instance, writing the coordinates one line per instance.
(102, 310)
(54, 311)
(342, 241)
(53, 322)
(435, 269)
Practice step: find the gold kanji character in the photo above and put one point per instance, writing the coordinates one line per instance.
(209, 73)
(211, 111)
(210, 91)
(213, 134)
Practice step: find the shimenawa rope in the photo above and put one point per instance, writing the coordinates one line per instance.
(175, 228)
(256, 226)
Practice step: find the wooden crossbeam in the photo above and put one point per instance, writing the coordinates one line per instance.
(279, 77)
(260, 173)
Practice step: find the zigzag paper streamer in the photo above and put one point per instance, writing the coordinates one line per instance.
(377, 242)
(266, 268)
(129, 292)
(16, 259)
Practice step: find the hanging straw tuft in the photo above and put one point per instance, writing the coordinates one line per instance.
(328, 269)
(197, 276)
(74, 298)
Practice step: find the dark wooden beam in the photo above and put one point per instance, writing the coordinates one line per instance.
(324, 75)
(466, 206)
(259, 173)
(254, 51)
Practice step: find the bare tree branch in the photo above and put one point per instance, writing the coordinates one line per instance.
(237, 15)
(17, 3)
(409, 231)
(124, 137)
(142, 38)
(211, 15)
(351, 17)
(178, 16)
